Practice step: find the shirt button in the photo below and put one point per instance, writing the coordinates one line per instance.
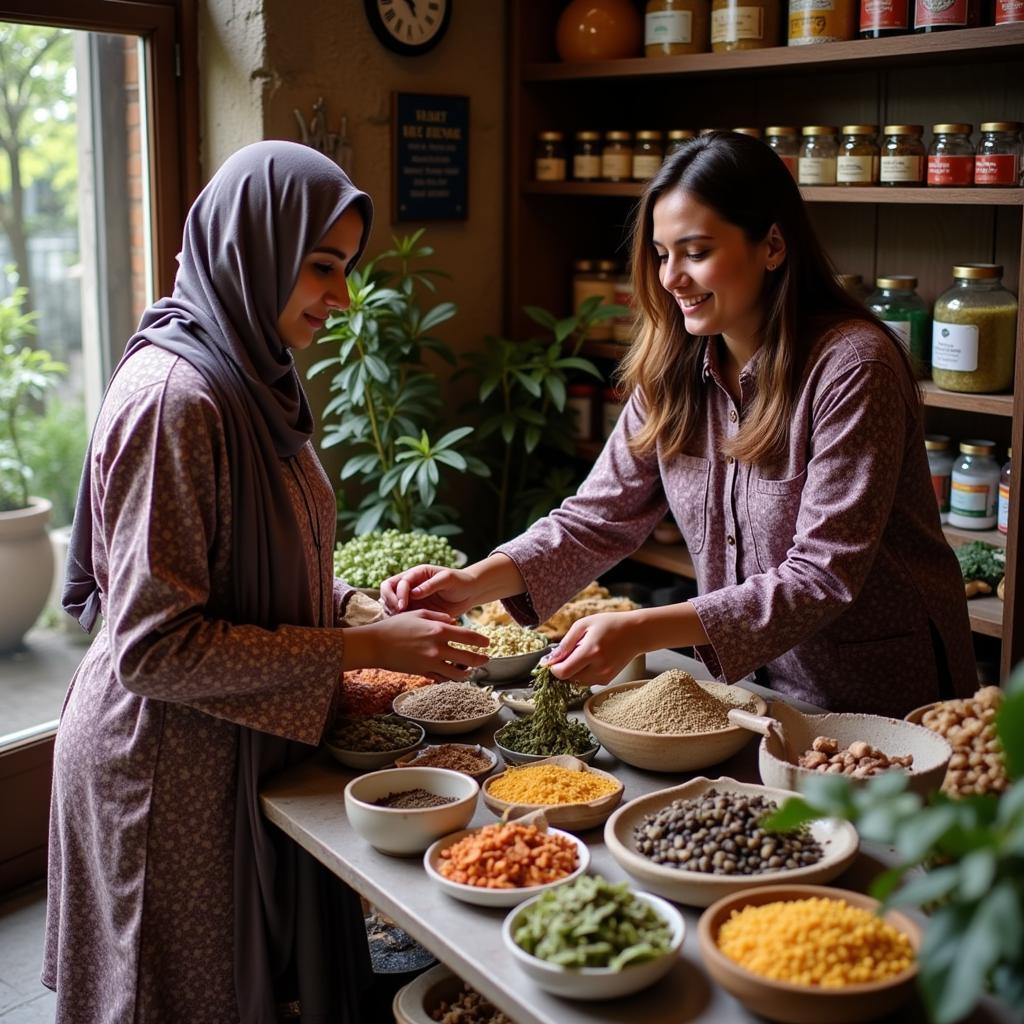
(730, 539)
(732, 415)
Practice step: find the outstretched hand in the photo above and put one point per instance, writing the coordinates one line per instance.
(596, 648)
(431, 587)
(419, 642)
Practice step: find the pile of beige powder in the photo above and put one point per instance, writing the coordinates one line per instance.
(673, 702)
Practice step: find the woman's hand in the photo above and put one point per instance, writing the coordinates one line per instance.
(597, 648)
(432, 587)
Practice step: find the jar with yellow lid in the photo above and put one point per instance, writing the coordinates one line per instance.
(647, 155)
(677, 138)
(672, 27)
(903, 156)
(785, 140)
(754, 133)
(549, 157)
(817, 161)
(974, 331)
(857, 163)
(951, 156)
(590, 278)
(821, 21)
(744, 24)
(586, 156)
(997, 164)
(896, 303)
(617, 156)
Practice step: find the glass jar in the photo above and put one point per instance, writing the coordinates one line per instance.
(997, 163)
(586, 156)
(549, 157)
(623, 325)
(677, 138)
(595, 278)
(1008, 12)
(895, 302)
(903, 156)
(647, 155)
(821, 21)
(581, 401)
(853, 285)
(672, 27)
(857, 162)
(754, 133)
(786, 143)
(974, 491)
(611, 410)
(617, 156)
(951, 156)
(974, 330)
(744, 24)
(1003, 511)
(939, 15)
(940, 466)
(880, 18)
(817, 161)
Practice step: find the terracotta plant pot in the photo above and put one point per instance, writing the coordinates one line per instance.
(26, 563)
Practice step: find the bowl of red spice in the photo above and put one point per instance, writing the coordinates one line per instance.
(469, 758)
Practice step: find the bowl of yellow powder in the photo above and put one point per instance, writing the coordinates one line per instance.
(805, 954)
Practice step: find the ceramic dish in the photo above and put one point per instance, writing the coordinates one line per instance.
(370, 760)
(406, 831)
(667, 752)
(787, 733)
(415, 1002)
(838, 840)
(574, 817)
(514, 757)
(409, 760)
(437, 727)
(803, 1004)
(511, 669)
(496, 897)
(521, 700)
(598, 982)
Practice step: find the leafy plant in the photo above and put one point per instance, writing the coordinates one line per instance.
(26, 375)
(386, 402)
(981, 561)
(972, 850)
(55, 451)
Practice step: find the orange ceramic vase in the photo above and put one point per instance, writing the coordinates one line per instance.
(599, 30)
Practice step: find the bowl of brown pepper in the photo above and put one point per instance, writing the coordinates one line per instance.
(469, 758)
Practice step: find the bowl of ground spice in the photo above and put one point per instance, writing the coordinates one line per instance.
(572, 795)
(372, 741)
(401, 811)
(469, 758)
(438, 996)
(670, 723)
(449, 709)
(703, 840)
(804, 954)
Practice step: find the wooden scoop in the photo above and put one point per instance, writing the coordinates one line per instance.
(776, 736)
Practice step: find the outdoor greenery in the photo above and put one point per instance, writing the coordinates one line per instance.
(972, 850)
(55, 451)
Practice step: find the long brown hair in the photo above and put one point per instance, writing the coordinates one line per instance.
(746, 184)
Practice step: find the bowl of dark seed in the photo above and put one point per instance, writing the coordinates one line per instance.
(402, 811)
(373, 741)
(703, 840)
(448, 709)
(469, 758)
(671, 723)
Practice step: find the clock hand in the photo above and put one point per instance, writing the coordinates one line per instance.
(411, 4)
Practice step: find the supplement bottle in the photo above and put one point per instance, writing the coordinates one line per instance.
(940, 466)
(975, 487)
(1003, 513)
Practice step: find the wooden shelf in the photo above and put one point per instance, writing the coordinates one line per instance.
(973, 44)
(957, 536)
(986, 615)
(670, 557)
(993, 405)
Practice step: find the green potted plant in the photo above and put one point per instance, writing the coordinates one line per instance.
(26, 375)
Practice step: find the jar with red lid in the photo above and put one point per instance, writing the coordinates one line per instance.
(997, 164)
(1009, 12)
(786, 143)
(940, 15)
(581, 402)
(951, 156)
(880, 18)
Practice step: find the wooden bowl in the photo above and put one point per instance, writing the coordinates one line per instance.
(838, 839)
(409, 760)
(666, 752)
(574, 817)
(803, 1004)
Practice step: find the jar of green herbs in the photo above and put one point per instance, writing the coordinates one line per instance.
(896, 303)
(974, 330)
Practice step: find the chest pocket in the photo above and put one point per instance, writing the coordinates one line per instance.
(774, 506)
(686, 488)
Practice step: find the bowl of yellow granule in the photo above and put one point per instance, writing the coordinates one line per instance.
(806, 954)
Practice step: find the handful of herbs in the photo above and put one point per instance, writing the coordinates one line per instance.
(981, 561)
(549, 730)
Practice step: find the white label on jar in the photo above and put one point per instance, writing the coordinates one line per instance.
(550, 168)
(855, 170)
(645, 166)
(586, 168)
(817, 170)
(972, 499)
(954, 346)
(901, 328)
(668, 27)
(901, 168)
(735, 23)
(617, 166)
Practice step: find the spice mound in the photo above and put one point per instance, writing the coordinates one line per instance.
(672, 703)
(455, 756)
(549, 730)
(721, 834)
(549, 784)
(449, 702)
(859, 760)
(507, 640)
(468, 1007)
(409, 799)
(978, 764)
(592, 923)
(817, 942)
(370, 691)
(509, 856)
(376, 733)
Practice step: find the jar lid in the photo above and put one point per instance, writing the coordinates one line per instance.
(978, 271)
(952, 129)
(608, 266)
(618, 136)
(782, 129)
(588, 136)
(818, 129)
(682, 133)
(551, 136)
(754, 133)
(903, 129)
(977, 447)
(901, 282)
(860, 129)
(582, 266)
(650, 135)
(937, 442)
(1000, 126)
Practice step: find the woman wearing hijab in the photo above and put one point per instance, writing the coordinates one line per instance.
(204, 535)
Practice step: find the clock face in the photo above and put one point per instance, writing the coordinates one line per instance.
(409, 27)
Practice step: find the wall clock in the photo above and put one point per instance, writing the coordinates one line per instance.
(409, 27)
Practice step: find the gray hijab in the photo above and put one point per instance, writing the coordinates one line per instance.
(244, 242)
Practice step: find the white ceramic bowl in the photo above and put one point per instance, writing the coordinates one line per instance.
(520, 700)
(593, 983)
(496, 897)
(445, 727)
(838, 839)
(402, 831)
(370, 760)
(514, 757)
(415, 1002)
(509, 669)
